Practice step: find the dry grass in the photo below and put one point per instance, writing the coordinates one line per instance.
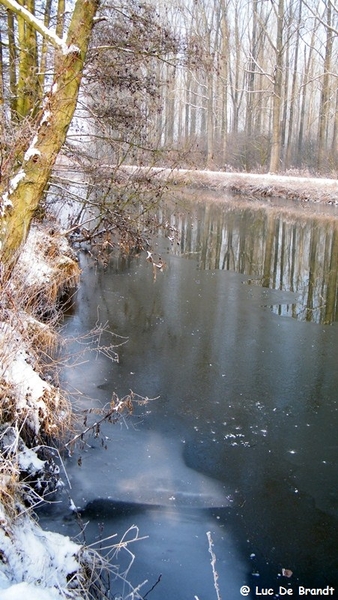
(27, 399)
(9, 487)
(30, 400)
(33, 412)
(45, 272)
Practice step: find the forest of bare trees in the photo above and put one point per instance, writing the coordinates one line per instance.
(254, 86)
(217, 84)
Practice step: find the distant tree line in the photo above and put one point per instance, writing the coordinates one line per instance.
(221, 84)
(254, 86)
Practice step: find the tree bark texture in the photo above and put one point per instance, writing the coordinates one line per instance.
(26, 187)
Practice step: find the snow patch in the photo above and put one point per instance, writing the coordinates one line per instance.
(29, 390)
(45, 117)
(29, 592)
(72, 49)
(34, 267)
(13, 184)
(6, 203)
(38, 563)
(32, 150)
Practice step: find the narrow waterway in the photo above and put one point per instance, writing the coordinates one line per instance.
(237, 340)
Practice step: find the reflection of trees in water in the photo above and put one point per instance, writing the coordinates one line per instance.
(279, 251)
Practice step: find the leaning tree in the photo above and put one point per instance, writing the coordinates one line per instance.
(38, 108)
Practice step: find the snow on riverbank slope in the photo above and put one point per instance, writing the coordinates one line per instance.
(306, 189)
(34, 564)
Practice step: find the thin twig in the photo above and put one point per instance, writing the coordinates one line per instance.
(213, 563)
(155, 584)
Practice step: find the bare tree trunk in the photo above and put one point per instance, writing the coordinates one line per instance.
(251, 71)
(285, 101)
(187, 106)
(277, 94)
(334, 143)
(234, 78)
(210, 118)
(60, 18)
(1, 79)
(12, 68)
(44, 47)
(27, 89)
(293, 91)
(306, 78)
(26, 186)
(325, 92)
(224, 82)
(170, 105)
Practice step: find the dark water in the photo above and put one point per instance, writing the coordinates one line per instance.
(242, 440)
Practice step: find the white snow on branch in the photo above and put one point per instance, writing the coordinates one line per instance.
(32, 150)
(13, 184)
(6, 203)
(39, 26)
(72, 49)
(45, 117)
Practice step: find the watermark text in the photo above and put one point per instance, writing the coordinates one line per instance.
(287, 591)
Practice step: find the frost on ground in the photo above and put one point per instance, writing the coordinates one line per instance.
(34, 564)
(255, 185)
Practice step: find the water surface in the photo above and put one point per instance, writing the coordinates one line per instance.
(237, 338)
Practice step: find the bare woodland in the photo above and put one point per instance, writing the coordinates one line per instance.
(258, 88)
(224, 85)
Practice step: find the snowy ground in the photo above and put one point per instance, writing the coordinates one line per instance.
(34, 564)
(39, 564)
(289, 186)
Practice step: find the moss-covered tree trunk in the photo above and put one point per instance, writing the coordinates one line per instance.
(25, 187)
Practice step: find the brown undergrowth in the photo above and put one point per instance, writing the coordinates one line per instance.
(36, 419)
(33, 411)
(29, 310)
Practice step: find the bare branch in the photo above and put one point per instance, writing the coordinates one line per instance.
(51, 36)
(213, 563)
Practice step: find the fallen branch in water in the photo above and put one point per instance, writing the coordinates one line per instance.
(213, 563)
(111, 413)
(155, 584)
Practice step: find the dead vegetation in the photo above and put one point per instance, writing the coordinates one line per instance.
(46, 272)
(33, 411)
(28, 311)
(35, 417)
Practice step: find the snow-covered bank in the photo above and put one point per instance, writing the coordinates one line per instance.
(37, 565)
(34, 564)
(305, 189)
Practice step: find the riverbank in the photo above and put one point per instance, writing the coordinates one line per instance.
(34, 414)
(305, 189)
(290, 187)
